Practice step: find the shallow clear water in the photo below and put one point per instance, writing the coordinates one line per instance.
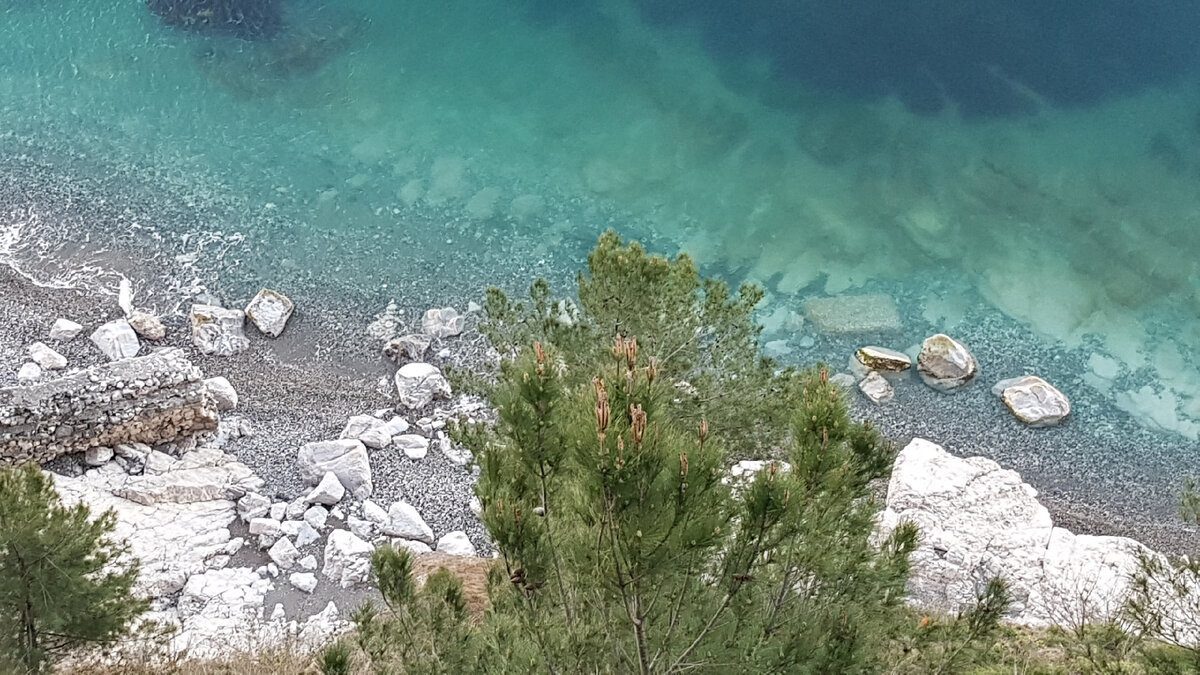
(1043, 166)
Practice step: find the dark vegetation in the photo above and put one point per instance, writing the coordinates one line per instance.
(246, 19)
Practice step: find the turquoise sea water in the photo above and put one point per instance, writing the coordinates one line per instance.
(964, 159)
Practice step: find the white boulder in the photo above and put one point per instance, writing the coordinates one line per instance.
(1036, 402)
(347, 559)
(883, 359)
(116, 340)
(374, 512)
(217, 331)
(456, 543)
(405, 521)
(147, 325)
(29, 372)
(945, 364)
(270, 311)
(304, 581)
(64, 329)
(284, 553)
(412, 445)
(345, 458)
(418, 384)
(442, 323)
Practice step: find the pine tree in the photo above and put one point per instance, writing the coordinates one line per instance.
(63, 580)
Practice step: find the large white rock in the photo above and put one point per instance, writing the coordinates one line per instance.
(882, 358)
(455, 543)
(358, 425)
(442, 323)
(270, 311)
(64, 329)
(376, 439)
(418, 384)
(405, 521)
(945, 364)
(147, 325)
(1036, 402)
(329, 491)
(116, 340)
(345, 458)
(304, 581)
(217, 331)
(222, 392)
(347, 559)
(46, 357)
(978, 520)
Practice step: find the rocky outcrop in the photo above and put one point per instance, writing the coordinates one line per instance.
(153, 399)
(978, 521)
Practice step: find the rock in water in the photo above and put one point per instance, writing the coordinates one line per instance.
(417, 384)
(217, 331)
(442, 323)
(1036, 402)
(246, 19)
(880, 358)
(117, 340)
(945, 364)
(147, 325)
(876, 388)
(270, 311)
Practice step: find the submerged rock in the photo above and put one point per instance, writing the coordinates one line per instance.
(881, 358)
(1035, 401)
(945, 364)
(246, 19)
(876, 388)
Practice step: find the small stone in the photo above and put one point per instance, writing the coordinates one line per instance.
(116, 340)
(442, 323)
(1036, 402)
(272, 569)
(270, 311)
(346, 458)
(284, 553)
(412, 445)
(876, 388)
(329, 491)
(147, 325)
(395, 426)
(267, 526)
(97, 456)
(374, 512)
(476, 507)
(405, 521)
(945, 364)
(363, 529)
(376, 439)
(407, 348)
(308, 562)
(296, 508)
(65, 329)
(418, 384)
(279, 511)
(252, 505)
(305, 535)
(883, 359)
(456, 543)
(217, 331)
(223, 393)
(304, 581)
(358, 425)
(46, 357)
(29, 372)
(316, 516)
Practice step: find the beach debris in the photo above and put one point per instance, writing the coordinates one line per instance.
(116, 340)
(46, 357)
(945, 364)
(64, 329)
(217, 331)
(270, 311)
(1034, 401)
(442, 323)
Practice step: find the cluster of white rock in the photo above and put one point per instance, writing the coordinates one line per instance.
(218, 331)
(945, 364)
(978, 521)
